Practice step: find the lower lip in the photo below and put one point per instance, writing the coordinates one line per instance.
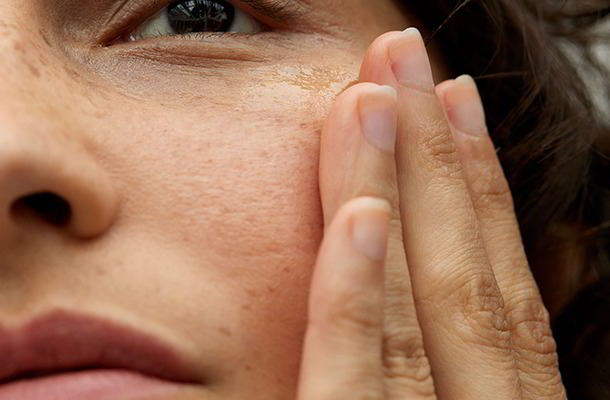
(97, 384)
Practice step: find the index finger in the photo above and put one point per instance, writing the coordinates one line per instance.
(342, 351)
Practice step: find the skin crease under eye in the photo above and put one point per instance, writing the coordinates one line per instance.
(214, 163)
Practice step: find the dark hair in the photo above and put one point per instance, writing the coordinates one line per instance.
(547, 95)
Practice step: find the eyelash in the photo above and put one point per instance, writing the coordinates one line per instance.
(143, 10)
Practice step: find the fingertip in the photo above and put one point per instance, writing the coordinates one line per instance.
(375, 65)
(378, 112)
(465, 108)
(442, 88)
(370, 228)
(364, 221)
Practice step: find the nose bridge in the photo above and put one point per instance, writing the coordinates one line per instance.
(43, 140)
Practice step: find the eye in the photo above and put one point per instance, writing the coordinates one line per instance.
(197, 16)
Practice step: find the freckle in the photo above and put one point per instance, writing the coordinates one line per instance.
(99, 270)
(18, 46)
(225, 331)
(264, 154)
(271, 289)
(33, 70)
(286, 269)
(252, 293)
(72, 72)
(43, 61)
(246, 306)
(44, 37)
(248, 367)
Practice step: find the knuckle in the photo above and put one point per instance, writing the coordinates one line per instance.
(404, 355)
(355, 313)
(438, 148)
(543, 386)
(489, 187)
(481, 312)
(532, 335)
(406, 366)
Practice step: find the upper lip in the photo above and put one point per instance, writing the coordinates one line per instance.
(62, 341)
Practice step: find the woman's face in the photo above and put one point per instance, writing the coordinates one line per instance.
(190, 168)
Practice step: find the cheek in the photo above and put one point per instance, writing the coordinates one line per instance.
(226, 183)
(237, 193)
(245, 186)
(238, 173)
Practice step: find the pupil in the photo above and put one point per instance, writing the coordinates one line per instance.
(188, 16)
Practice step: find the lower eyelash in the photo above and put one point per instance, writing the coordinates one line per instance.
(207, 35)
(202, 36)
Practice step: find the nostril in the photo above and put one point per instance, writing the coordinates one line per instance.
(48, 206)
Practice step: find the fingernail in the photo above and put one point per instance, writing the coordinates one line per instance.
(370, 228)
(378, 114)
(465, 108)
(410, 61)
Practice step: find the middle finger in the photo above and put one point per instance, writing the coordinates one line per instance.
(459, 305)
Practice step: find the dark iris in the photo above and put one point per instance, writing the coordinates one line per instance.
(188, 16)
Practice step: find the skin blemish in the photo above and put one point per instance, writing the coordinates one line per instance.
(225, 331)
(33, 70)
(21, 48)
(316, 78)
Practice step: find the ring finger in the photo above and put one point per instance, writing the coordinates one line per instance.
(528, 320)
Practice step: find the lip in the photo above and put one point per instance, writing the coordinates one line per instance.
(61, 343)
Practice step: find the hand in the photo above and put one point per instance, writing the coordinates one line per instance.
(422, 289)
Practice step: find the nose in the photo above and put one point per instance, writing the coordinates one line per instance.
(50, 179)
(49, 175)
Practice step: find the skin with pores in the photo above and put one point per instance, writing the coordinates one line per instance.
(213, 208)
(200, 191)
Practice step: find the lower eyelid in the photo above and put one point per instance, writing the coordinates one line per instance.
(200, 49)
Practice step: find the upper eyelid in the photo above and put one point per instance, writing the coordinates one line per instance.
(129, 13)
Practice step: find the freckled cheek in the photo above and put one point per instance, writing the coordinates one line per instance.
(237, 192)
(265, 228)
(233, 184)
